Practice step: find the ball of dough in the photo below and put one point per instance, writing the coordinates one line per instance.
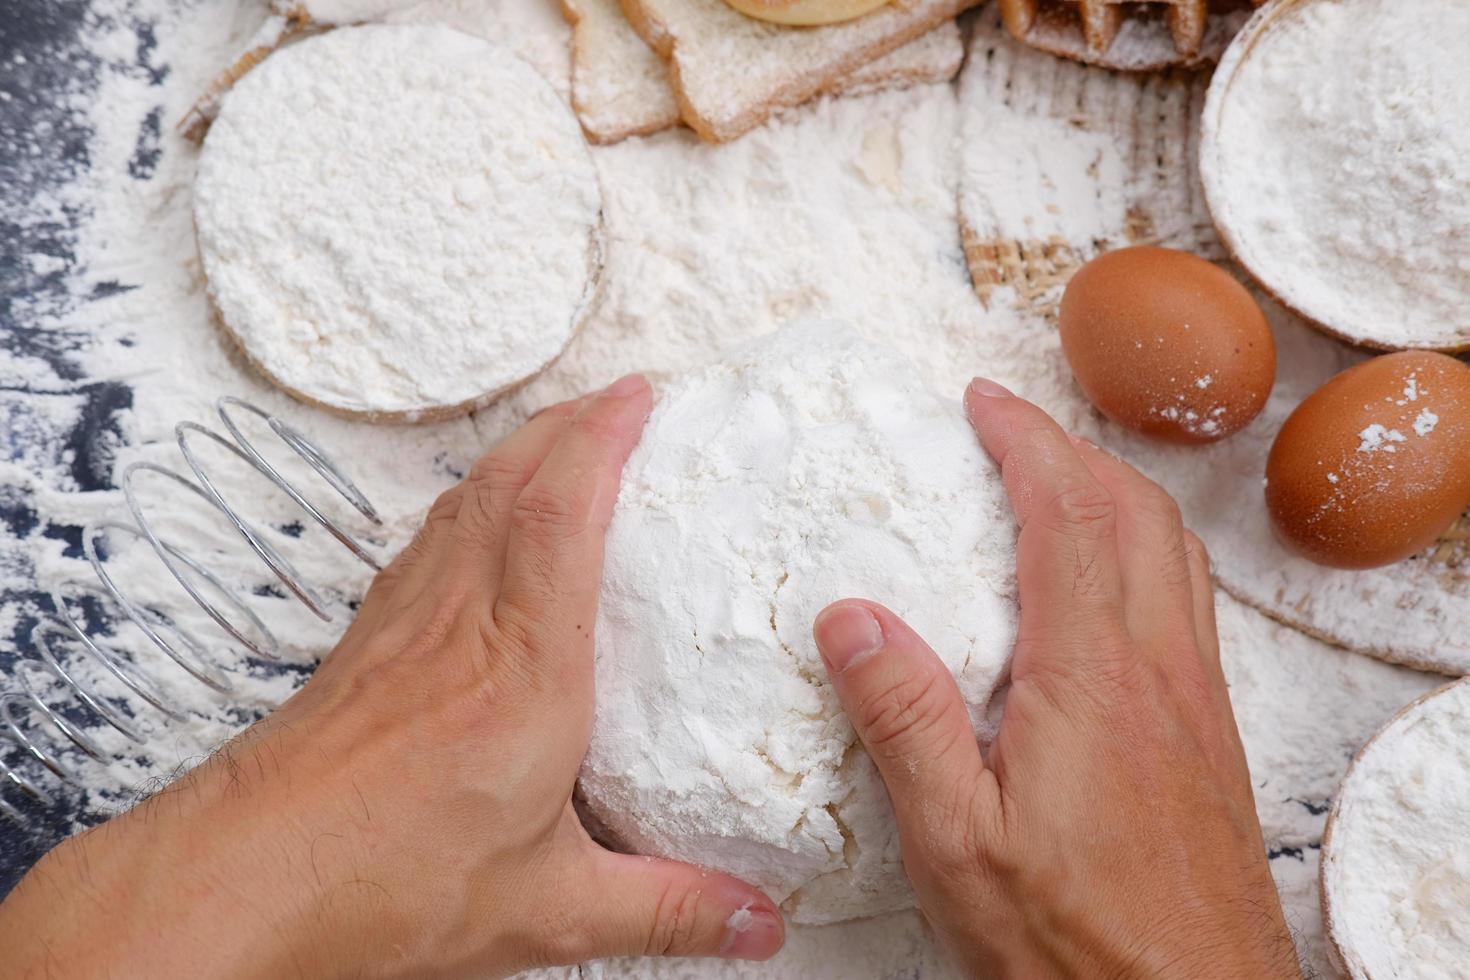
(803, 468)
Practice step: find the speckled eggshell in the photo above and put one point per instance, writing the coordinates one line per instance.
(1167, 344)
(1374, 465)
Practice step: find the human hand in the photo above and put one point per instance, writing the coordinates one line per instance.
(408, 811)
(1111, 831)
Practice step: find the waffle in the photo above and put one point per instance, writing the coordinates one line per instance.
(1128, 35)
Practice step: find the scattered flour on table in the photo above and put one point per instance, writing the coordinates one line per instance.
(1304, 708)
(797, 469)
(398, 218)
(1397, 868)
(1340, 166)
(844, 209)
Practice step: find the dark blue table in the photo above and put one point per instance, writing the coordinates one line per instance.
(42, 144)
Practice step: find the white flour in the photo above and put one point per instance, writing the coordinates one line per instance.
(1340, 166)
(798, 469)
(845, 209)
(397, 219)
(1397, 869)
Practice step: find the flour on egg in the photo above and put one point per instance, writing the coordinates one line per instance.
(797, 470)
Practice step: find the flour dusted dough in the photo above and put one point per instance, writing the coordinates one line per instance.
(800, 469)
(397, 221)
(1396, 859)
(1336, 158)
(1061, 161)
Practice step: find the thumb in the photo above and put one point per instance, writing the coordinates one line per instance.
(907, 710)
(643, 906)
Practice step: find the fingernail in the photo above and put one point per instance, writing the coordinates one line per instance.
(989, 389)
(1081, 442)
(752, 934)
(846, 636)
(625, 386)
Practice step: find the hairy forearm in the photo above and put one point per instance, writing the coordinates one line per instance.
(183, 885)
(115, 899)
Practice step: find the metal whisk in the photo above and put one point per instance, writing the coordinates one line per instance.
(226, 607)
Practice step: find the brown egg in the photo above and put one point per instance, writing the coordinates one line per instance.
(1375, 464)
(1168, 344)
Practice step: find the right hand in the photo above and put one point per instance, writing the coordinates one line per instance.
(1112, 831)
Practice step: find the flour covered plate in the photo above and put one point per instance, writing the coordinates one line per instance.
(1336, 162)
(1396, 858)
(398, 222)
(1061, 162)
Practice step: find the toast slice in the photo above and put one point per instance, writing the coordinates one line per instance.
(620, 87)
(934, 57)
(729, 72)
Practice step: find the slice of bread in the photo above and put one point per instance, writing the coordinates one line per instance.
(620, 87)
(934, 57)
(729, 72)
(806, 13)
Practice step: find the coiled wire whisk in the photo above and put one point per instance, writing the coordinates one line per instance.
(180, 645)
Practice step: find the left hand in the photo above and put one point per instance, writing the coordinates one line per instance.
(409, 810)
